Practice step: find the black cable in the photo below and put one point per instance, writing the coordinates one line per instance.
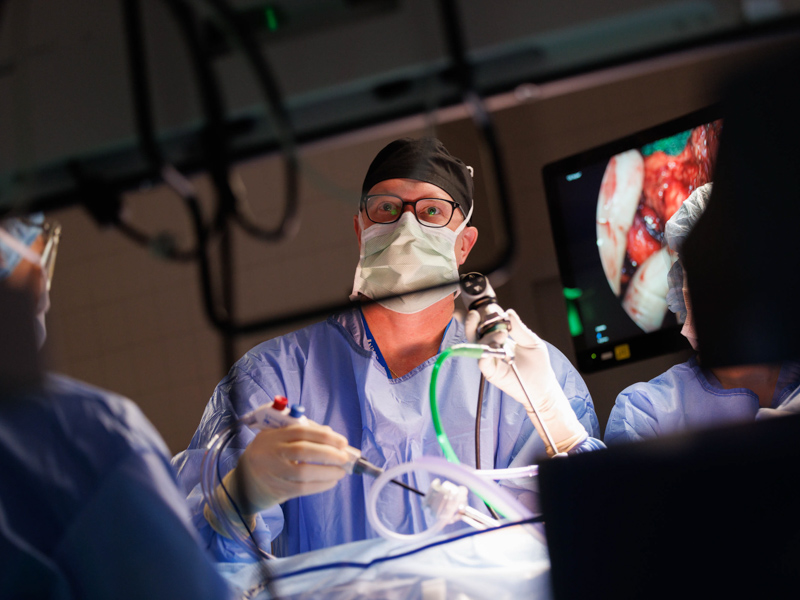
(223, 443)
(280, 118)
(205, 269)
(478, 412)
(214, 138)
(463, 72)
(215, 147)
(137, 63)
(228, 283)
(143, 115)
(215, 135)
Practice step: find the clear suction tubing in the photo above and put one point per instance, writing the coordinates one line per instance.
(448, 503)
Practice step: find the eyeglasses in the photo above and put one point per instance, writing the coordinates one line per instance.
(430, 212)
(52, 235)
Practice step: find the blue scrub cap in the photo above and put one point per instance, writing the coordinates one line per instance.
(675, 232)
(26, 231)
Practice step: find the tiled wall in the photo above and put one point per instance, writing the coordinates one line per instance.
(125, 321)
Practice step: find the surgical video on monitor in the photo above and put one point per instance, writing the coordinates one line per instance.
(608, 208)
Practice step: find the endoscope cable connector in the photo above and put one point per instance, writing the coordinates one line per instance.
(361, 466)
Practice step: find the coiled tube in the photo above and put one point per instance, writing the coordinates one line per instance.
(506, 504)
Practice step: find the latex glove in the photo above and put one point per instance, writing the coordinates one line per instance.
(280, 464)
(532, 360)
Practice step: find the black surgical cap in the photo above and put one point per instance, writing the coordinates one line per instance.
(424, 159)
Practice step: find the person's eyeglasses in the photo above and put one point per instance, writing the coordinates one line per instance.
(52, 235)
(430, 212)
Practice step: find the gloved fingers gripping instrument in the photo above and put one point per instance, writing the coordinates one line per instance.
(529, 378)
(228, 508)
(277, 414)
(489, 325)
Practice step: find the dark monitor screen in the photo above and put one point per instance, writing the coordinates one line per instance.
(608, 207)
(702, 514)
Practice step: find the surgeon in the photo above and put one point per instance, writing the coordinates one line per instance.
(89, 507)
(691, 396)
(364, 376)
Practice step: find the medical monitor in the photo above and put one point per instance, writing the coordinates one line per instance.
(608, 207)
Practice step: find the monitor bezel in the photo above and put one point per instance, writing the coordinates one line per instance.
(592, 358)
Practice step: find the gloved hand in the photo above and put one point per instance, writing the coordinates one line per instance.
(280, 464)
(532, 360)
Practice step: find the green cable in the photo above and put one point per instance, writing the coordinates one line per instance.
(468, 350)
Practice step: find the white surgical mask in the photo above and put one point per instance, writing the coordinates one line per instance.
(404, 256)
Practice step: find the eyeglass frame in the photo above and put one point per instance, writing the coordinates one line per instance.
(403, 203)
(51, 230)
(52, 233)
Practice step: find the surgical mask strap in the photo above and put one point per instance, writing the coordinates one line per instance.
(461, 227)
(361, 222)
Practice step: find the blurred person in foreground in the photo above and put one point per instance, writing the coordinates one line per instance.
(88, 502)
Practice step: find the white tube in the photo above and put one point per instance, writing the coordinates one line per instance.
(372, 510)
(515, 473)
(509, 506)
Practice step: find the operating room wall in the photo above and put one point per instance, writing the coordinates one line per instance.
(130, 322)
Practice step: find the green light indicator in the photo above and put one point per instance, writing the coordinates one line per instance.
(271, 18)
(594, 355)
(573, 318)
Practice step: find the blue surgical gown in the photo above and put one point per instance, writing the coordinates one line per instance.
(330, 369)
(687, 397)
(89, 506)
